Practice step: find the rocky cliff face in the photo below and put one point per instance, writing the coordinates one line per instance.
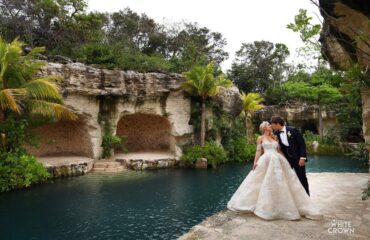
(346, 32)
(155, 100)
(346, 40)
(304, 117)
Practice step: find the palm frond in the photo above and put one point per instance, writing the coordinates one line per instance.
(201, 81)
(49, 109)
(43, 89)
(252, 102)
(8, 101)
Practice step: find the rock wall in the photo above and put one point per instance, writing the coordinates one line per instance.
(304, 117)
(346, 40)
(96, 94)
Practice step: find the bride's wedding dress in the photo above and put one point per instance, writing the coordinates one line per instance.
(273, 190)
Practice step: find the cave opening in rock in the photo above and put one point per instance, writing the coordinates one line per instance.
(145, 133)
(309, 126)
(62, 138)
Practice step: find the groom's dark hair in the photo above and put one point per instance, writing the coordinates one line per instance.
(278, 120)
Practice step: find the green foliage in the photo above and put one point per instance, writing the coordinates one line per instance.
(19, 89)
(310, 137)
(302, 25)
(211, 151)
(251, 102)
(18, 170)
(239, 150)
(329, 138)
(201, 81)
(360, 152)
(135, 60)
(309, 34)
(305, 92)
(13, 135)
(259, 65)
(349, 111)
(111, 142)
(96, 54)
(328, 144)
(123, 39)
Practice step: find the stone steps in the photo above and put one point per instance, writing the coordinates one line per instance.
(108, 166)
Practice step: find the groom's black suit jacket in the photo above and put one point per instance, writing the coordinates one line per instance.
(296, 148)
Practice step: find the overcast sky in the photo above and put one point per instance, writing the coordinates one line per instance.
(238, 20)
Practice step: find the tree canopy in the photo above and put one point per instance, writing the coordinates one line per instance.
(259, 65)
(123, 39)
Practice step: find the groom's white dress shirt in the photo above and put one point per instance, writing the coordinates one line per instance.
(283, 137)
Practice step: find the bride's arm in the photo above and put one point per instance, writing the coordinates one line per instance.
(279, 151)
(259, 152)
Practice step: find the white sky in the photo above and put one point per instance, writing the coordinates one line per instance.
(238, 20)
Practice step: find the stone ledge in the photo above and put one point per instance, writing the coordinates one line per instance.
(143, 161)
(67, 166)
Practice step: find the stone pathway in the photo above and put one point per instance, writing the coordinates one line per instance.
(337, 194)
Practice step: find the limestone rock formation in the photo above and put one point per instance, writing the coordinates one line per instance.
(346, 40)
(346, 32)
(148, 108)
(229, 101)
(304, 117)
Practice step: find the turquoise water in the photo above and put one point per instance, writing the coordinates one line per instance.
(160, 204)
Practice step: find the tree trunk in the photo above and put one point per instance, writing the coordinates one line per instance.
(321, 130)
(203, 123)
(248, 128)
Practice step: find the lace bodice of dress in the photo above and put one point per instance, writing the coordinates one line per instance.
(269, 146)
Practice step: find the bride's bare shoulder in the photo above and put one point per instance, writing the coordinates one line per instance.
(259, 139)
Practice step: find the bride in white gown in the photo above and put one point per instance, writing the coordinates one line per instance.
(272, 189)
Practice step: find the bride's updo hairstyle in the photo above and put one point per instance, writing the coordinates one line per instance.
(262, 126)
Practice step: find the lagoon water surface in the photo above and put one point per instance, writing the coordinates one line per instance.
(161, 204)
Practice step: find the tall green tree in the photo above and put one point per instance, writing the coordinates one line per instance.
(201, 82)
(259, 65)
(39, 22)
(309, 34)
(21, 91)
(322, 95)
(251, 103)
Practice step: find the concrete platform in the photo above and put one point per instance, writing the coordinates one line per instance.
(346, 215)
(67, 166)
(147, 160)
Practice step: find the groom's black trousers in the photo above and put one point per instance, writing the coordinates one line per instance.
(301, 173)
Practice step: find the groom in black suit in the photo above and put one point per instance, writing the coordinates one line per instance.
(293, 146)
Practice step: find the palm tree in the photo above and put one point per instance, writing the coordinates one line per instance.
(201, 82)
(20, 90)
(251, 103)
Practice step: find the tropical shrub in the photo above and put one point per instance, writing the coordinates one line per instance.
(18, 170)
(111, 142)
(239, 150)
(211, 151)
(360, 152)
